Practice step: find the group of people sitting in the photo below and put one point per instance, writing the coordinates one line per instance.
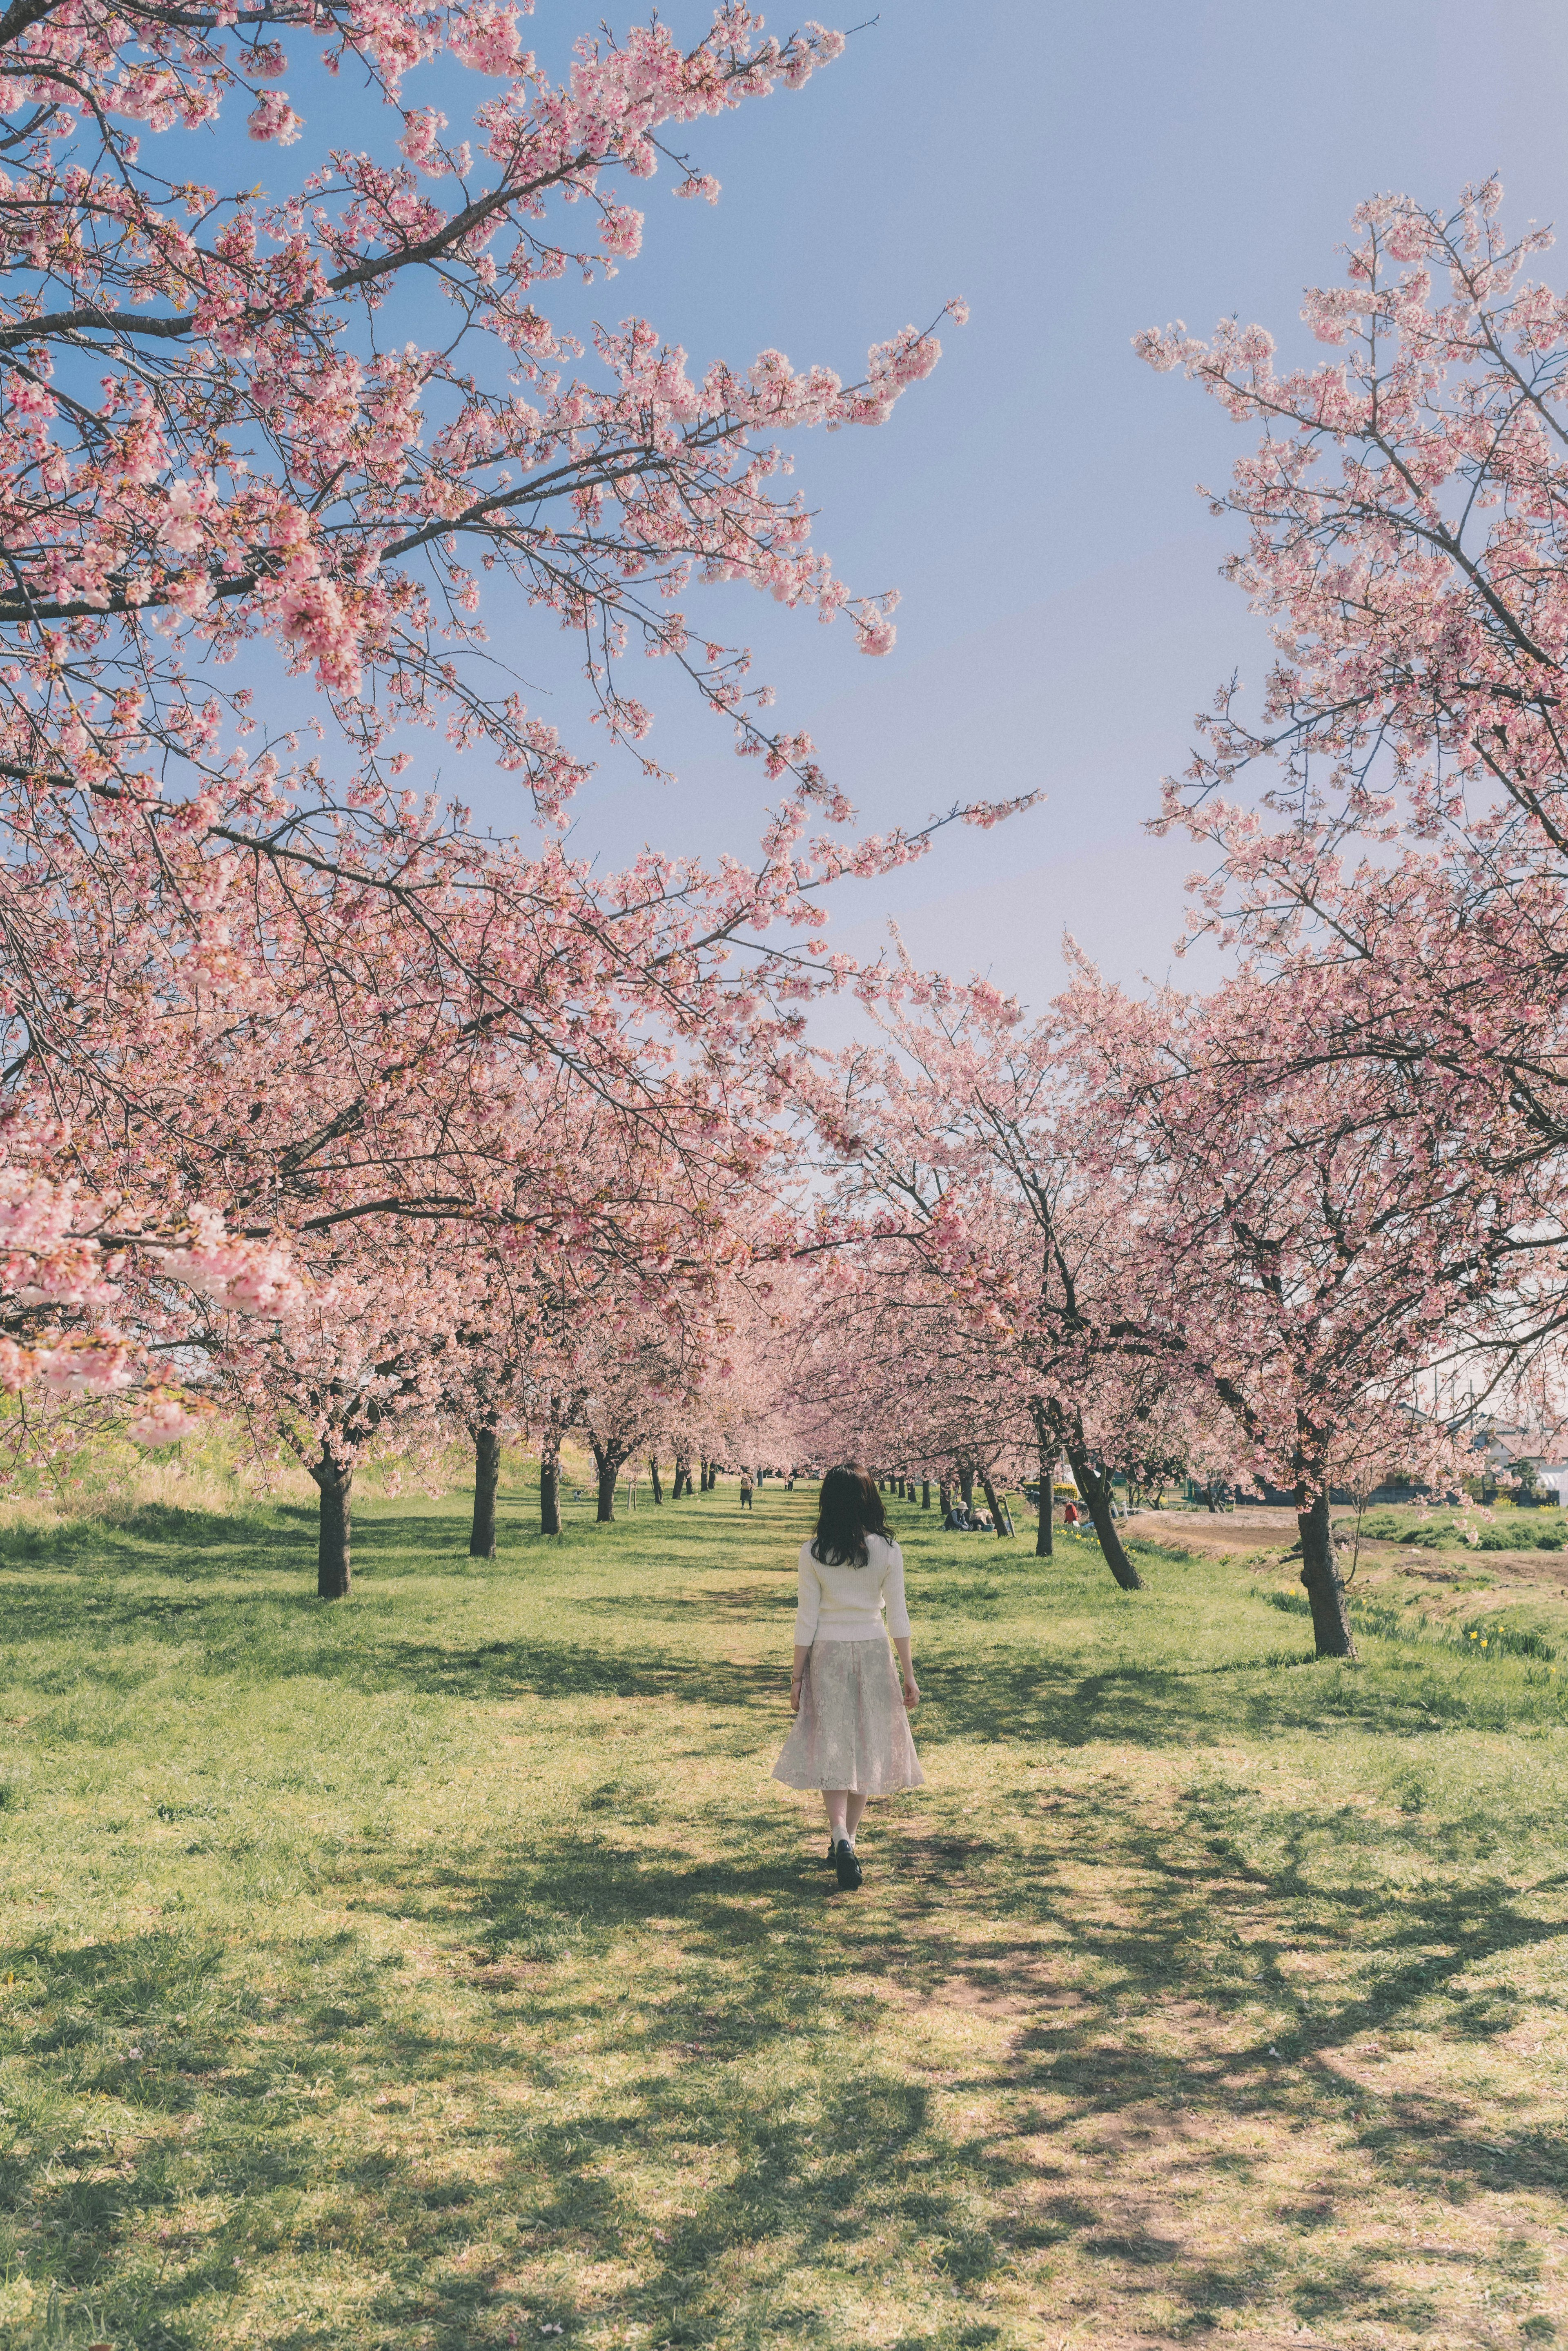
(963, 1520)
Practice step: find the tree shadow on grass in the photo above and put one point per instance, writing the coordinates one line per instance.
(808, 2180)
(827, 2147)
(1043, 1699)
(1105, 2089)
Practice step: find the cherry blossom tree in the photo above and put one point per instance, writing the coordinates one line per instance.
(882, 1370)
(963, 1137)
(354, 1368)
(1403, 515)
(637, 1368)
(250, 994)
(1318, 1242)
(1165, 1214)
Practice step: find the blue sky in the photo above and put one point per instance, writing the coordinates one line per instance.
(1077, 173)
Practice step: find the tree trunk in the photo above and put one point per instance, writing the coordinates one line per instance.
(1331, 1636)
(926, 1493)
(334, 1571)
(654, 1474)
(966, 1486)
(992, 1504)
(1045, 1510)
(487, 1478)
(944, 1497)
(550, 1493)
(1096, 1487)
(608, 1473)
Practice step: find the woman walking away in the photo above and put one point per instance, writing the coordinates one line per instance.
(746, 1489)
(850, 1736)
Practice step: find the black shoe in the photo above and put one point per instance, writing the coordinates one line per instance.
(833, 1853)
(846, 1864)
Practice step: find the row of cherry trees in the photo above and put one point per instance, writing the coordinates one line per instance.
(321, 1105)
(1283, 1227)
(316, 1101)
(1140, 1231)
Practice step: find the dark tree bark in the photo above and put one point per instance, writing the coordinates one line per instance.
(926, 1493)
(334, 1567)
(610, 1456)
(944, 1497)
(550, 1493)
(654, 1474)
(1045, 1513)
(1094, 1485)
(487, 1478)
(966, 1486)
(992, 1503)
(1331, 1636)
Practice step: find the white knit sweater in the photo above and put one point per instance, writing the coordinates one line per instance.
(845, 1603)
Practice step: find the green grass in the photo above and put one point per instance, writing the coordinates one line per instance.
(443, 1969)
(1541, 1529)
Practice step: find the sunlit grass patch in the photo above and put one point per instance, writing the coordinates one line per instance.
(444, 1968)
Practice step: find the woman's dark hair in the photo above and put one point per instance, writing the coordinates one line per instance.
(850, 1509)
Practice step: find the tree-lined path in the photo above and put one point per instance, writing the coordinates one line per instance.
(447, 1971)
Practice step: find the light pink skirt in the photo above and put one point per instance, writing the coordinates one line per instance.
(852, 1730)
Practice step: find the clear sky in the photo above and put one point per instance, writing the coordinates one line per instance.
(1077, 173)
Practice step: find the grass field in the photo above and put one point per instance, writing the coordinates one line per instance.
(443, 1969)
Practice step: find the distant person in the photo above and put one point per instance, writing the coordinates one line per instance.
(851, 1706)
(746, 1489)
(1070, 1515)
